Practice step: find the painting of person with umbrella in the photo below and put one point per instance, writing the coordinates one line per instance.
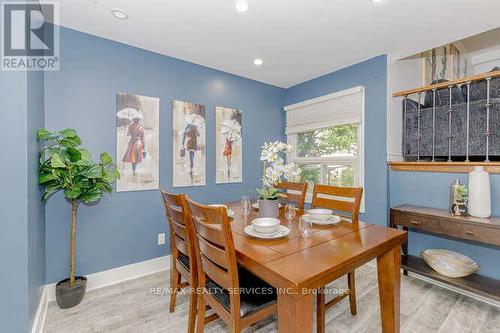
(190, 139)
(137, 119)
(136, 149)
(229, 141)
(189, 144)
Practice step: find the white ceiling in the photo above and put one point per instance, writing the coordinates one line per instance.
(297, 39)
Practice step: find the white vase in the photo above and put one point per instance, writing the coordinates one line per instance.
(479, 193)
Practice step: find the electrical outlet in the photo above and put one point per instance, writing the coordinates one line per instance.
(161, 238)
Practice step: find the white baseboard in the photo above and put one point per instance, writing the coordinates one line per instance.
(41, 312)
(118, 275)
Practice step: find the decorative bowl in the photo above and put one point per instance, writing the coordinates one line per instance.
(266, 225)
(449, 263)
(320, 214)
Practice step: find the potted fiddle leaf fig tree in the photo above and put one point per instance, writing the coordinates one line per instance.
(273, 170)
(65, 166)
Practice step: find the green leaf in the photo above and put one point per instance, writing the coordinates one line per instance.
(83, 164)
(56, 162)
(84, 183)
(70, 142)
(41, 159)
(95, 171)
(74, 154)
(106, 159)
(49, 191)
(68, 132)
(91, 196)
(53, 151)
(104, 186)
(46, 177)
(43, 135)
(110, 175)
(86, 155)
(73, 193)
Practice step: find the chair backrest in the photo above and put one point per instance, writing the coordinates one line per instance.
(341, 199)
(291, 189)
(217, 255)
(182, 234)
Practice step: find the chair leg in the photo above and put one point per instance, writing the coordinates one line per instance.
(175, 280)
(200, 321)
(235, 327)
(320, 311)
(193, 300)
(352, 292)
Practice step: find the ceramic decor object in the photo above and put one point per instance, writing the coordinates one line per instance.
(269, 208)
(479, 193)
(449, 263)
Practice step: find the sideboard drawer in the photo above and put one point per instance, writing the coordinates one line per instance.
(471, 232)
(418, 222)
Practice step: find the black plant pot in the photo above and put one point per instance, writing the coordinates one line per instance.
(67, 297)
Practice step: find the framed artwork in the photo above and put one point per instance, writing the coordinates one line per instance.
(443, 63)
(137, 142)
(229, 145)
(189, 144)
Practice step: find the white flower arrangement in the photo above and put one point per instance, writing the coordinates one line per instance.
(274, 168)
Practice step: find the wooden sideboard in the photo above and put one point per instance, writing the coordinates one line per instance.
(439, 222)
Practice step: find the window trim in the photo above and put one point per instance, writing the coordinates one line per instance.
(360, 160)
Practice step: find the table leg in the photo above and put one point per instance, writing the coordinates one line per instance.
(295, 313)
(404, 246)
(389, 286)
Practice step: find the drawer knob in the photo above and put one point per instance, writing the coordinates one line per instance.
(414, 222)
(470, 233)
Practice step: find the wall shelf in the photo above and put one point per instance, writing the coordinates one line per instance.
(440, 223)
(444, 167)
(475, 283)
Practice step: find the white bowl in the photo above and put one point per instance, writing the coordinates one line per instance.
(449, 263)
(320, 214)
(266, 225)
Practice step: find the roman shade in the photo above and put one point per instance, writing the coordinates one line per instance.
(339, 108)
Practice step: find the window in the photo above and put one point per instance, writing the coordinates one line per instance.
(327, 134)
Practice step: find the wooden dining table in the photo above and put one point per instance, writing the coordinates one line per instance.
(298, 266)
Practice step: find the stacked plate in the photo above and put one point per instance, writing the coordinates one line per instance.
(266, 228)
(321, 217)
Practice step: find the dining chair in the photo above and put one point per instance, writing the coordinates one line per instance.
(183, 262)
(346, 202)
(237, 296)
(295, 192)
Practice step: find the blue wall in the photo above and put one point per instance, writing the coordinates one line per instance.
(123, 228)
(36, 209)
(371, 74)
(22, 233)
(13, 211)
(432, 190)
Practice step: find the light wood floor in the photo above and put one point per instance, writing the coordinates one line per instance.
(131, 307)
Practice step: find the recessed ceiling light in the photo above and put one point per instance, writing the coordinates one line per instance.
(258, 62)
(377, 1)
(241, 6)
(119, 13)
